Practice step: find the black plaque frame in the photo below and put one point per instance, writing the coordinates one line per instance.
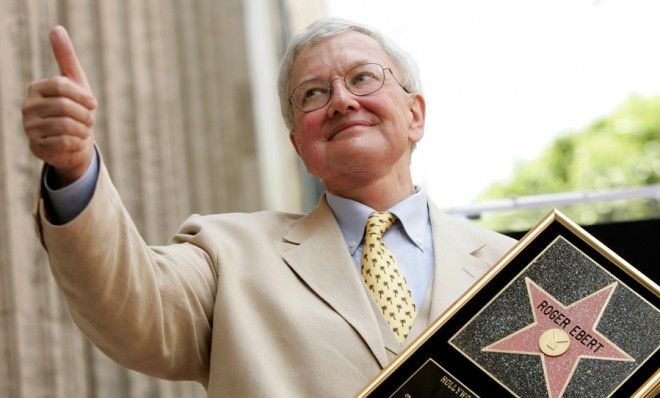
(434, 344)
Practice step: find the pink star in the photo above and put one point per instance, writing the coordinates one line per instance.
(579, 320)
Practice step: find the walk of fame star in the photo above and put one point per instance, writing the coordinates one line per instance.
(577, 322)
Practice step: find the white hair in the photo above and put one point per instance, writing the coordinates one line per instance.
(329, 27)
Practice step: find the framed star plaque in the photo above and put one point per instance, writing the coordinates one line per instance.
(560, 315)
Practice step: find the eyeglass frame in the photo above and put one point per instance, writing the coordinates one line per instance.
(331, 89)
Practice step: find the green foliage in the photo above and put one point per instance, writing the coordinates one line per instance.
(619, 150)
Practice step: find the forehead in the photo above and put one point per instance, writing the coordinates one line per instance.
(334, 56)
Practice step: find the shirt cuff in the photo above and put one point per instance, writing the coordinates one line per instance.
(69, 201)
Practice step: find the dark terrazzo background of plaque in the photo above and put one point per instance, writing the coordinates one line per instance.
(568, 275)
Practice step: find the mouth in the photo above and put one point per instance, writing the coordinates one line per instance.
(341, 127)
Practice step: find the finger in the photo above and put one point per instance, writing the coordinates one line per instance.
(60, 86)
(37, 128)
(58, 107)
(65, 55)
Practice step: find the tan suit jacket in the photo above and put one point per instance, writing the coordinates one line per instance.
(264, 304)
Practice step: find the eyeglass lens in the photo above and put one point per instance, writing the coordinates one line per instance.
(361, 80)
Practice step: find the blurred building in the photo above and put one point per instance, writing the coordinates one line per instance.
(188, 121)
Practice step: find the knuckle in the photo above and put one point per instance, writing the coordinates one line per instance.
(59, 106)
(28, 126)
(60, 83)
(59, 79)
(33, 124)
(28, 106)
(47, 127)
(25, 110)
(62, 125)
(70, 127)
(33, 88)
(49, 146)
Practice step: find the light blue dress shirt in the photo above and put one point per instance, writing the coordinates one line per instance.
(71, 200)
(409, 238)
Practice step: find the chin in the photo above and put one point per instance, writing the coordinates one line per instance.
(357, 147)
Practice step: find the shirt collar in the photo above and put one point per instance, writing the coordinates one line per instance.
(412, 212)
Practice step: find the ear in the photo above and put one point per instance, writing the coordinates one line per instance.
(417, 117)
(293, 137)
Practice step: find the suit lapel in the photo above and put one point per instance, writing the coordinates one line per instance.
(318, 255)
(456, 267)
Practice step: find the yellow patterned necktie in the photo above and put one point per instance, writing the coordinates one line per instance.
(384, 277)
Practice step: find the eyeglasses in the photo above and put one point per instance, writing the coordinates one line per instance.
(362, 80)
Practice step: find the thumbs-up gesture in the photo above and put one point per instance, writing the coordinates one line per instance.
(58, 114)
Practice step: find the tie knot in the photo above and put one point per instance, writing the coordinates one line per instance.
(378, 222)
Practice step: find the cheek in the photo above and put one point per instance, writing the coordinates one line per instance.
(387, 107)
(310, 138)
(310, 124)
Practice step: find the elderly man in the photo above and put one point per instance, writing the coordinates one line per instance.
(265, 304)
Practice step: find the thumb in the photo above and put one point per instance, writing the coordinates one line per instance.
(65, 55)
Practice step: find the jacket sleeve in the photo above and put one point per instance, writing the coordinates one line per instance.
(148, 308)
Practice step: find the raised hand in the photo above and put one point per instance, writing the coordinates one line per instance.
(58, 114)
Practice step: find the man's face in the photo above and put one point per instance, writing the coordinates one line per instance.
(354, 140)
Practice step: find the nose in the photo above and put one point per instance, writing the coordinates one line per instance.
(341, 100)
